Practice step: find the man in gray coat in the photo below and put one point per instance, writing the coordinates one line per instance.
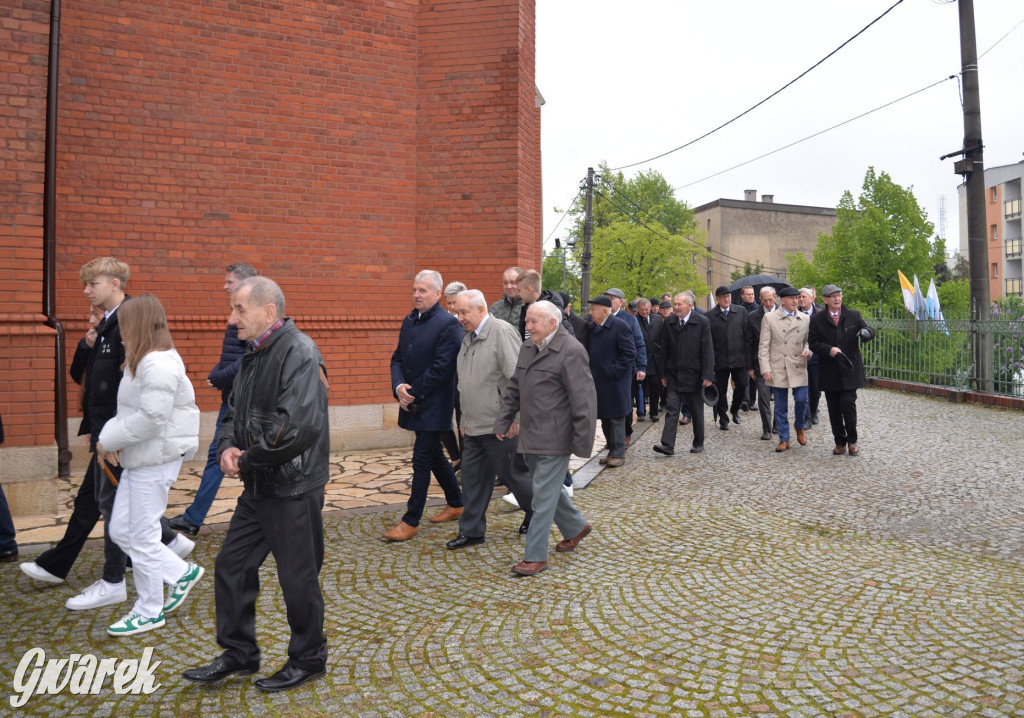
(552, 390)
(486, 360)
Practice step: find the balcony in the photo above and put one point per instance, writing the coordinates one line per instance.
(1013, 287)
(1013, 247)
(1011, 209)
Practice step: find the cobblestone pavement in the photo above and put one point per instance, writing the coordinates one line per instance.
(737, 582)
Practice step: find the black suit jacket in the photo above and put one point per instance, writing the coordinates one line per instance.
(730, 335)
(687, 357)
(651, 329)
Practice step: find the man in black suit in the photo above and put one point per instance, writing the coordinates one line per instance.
(835, 336)
(579, 324)
(764, 404)
(686, 364)
(729, 334)
(650, 327)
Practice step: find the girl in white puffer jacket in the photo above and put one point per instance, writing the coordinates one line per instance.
(156, 429)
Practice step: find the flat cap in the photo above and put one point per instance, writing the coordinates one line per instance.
(664, 305)
(601, 299)
(829, 289)
(617, 293)
(722, 290)
(789, 292)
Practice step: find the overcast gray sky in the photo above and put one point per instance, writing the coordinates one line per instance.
(625, 81)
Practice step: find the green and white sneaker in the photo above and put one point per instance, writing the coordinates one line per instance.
(185, 584)
(134, 623)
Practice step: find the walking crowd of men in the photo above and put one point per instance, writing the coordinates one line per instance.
(526, 378)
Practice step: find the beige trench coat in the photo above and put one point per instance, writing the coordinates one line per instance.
(782, 341)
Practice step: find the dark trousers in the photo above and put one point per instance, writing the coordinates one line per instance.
(739, 377)
(842, 415)
(675, 399)
(653, 392)
(813, 393)
(292, 530)
(7, 542)
(428, 458)
(637, 387)
(95, 498)
(483, 458)
(764, 403)
(615, 434)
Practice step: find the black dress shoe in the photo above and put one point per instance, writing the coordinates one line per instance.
(288, 677)
(662, 449)
(654, 418)
(735, 417)
(724, 425)
(814, 418)
(218, 670)
(766, 436)
(464, 541)
(180, 523)
(696, 449)
(8, 555)
(524, 527)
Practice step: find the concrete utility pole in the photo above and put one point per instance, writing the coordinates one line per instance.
(588, 233)
(972, 167)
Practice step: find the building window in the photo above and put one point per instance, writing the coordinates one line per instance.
(994, 194)
(993, 232)
(995, 270)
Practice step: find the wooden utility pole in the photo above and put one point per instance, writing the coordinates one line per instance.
(972, 167)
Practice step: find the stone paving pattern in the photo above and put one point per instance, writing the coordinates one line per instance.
(737, 582)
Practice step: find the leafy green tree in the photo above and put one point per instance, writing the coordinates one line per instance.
(551, 273)
(885, 230)
(645, 241)
(748, 270)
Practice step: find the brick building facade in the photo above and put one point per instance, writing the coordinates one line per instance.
(337, 146)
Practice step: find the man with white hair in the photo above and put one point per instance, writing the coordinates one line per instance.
(552, 391)
(486, 360)
(423, 380)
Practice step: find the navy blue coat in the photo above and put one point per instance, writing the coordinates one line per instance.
(612, 356)
(640, 361)
(428, 346)
(232, 350)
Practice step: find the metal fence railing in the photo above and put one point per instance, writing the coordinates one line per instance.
(941, 352)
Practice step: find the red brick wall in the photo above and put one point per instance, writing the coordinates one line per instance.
(337, 146)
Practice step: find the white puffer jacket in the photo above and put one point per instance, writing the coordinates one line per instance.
(157, 418)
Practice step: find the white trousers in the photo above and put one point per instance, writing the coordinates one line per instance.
(135, 526)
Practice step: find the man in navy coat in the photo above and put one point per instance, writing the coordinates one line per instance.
(612, 356)
(423, 380)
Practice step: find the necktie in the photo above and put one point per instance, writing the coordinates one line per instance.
(835, 319)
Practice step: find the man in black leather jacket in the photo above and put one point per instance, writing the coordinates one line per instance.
(275, 436)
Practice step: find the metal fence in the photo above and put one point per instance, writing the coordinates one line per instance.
(940, 352)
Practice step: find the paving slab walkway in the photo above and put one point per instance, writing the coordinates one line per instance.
(736, 582)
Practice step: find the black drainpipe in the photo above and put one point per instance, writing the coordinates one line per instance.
(60, 399)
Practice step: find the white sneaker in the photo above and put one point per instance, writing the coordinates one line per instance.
(185, 584)
(134, 623)
(182, 546)
(568, 490)
(34, 570)
(99, 594)
(510, 499)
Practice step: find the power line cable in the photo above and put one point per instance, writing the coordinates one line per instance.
(748, 111)
(564, 215)
(816, 134)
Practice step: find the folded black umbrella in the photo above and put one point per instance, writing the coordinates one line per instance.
(844, 361)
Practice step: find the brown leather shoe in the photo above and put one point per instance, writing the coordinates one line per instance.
(801, 436)
(615, 462)
(783, 445)
(448, 513)
(402, 532)
(529, 568)
(854, 451)
(570, 544)
(684, 421)
(840, 449)
(629, 440)
(603, 460)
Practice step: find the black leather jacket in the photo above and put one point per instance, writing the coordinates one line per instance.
(277, 415)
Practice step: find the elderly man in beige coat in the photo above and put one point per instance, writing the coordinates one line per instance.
(553, 392)
(782, 355)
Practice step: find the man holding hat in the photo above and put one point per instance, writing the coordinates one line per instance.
(612, 356)
(782, 355)
(686, 364)
(729, 334)
(835, 336)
